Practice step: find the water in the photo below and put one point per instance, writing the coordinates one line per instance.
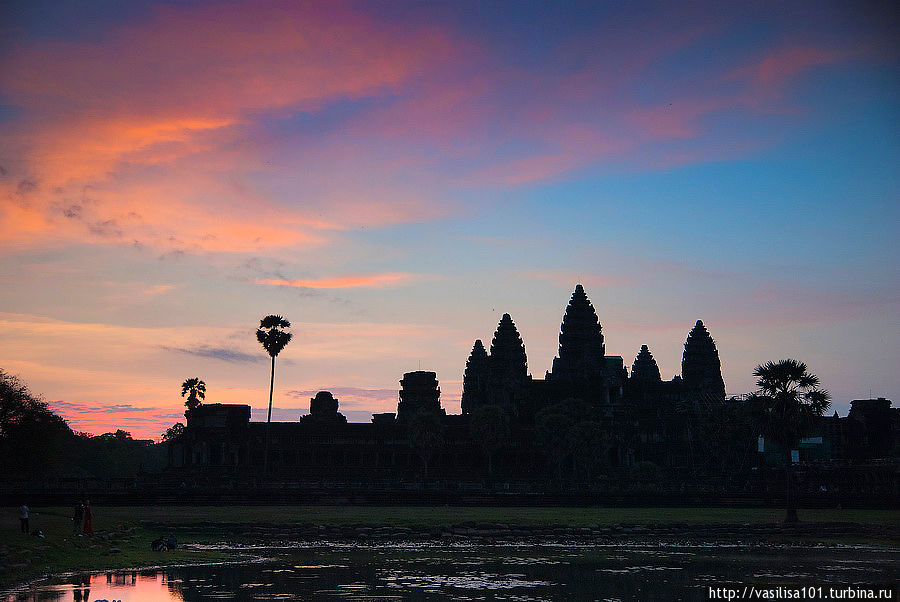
(462, 571)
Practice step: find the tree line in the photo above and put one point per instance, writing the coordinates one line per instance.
(36, 443)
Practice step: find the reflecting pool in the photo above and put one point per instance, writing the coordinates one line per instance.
(461, 571)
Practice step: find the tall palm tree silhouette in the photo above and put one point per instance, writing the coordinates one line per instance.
(272, 336)
(789, 403)
(195, 389)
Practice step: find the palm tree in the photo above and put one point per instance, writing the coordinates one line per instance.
(273, 338)
(789, 403)
(195, 389)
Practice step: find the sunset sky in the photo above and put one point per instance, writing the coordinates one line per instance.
(394, 176)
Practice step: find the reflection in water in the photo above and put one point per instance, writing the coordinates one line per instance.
(81, 588)
(502, 572)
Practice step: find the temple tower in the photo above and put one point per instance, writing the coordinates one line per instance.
(508, 365)
(475, 379)
(644, 368)
(419, 392)
(581, 347)
(700, 365)
(323, 408)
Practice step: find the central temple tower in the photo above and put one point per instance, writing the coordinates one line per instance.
(581, 348)
(700, 365)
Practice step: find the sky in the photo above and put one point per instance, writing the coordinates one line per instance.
(394, 176)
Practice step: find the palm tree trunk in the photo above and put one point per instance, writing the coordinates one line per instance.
(791, 514)
(269, 420)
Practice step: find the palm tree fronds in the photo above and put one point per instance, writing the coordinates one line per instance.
(274, 321)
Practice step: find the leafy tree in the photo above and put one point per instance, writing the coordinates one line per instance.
(195, 389)
(272, 335)
(114, 454)
(788, 404)
(426, 433)
(490, 428)
(33, 440)
(173, 432)
(36, 443)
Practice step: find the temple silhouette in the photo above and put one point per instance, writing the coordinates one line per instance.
(587, 422)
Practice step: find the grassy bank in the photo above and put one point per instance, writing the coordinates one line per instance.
(444, 515)
(122, 534)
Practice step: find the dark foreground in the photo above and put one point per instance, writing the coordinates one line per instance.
(216, 534)
(466, 570)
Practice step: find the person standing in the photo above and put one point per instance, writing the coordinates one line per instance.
(23, 518)
(77, 518)
(88, 518)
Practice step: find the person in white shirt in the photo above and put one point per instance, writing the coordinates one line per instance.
(23, 518)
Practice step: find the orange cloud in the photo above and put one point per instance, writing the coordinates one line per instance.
(134, 135)
(368, 281)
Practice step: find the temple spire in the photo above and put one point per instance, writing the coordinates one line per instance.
(700, 365)
(508, 365)
(581, 347)
(475, 378)
(644, 367)
(508, 351)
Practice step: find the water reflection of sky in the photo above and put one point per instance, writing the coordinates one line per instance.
(146, 586)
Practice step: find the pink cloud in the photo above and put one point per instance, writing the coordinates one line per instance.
(778, 66)
(151, 131)
(368, 281)
(761, 85)
(160, 95)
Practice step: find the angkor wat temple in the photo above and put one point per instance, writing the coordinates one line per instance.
(588, 421)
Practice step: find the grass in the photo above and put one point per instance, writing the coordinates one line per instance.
(61, 552)
(444, 515)
(122, 528)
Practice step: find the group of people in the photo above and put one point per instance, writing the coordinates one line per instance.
(162, 544)
(82, 519)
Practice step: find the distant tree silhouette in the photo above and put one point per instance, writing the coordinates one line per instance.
(33, 440)
(426, 433)
(195, 389)
(173, 432)
(272, 336)
(788, 404)
(490, 429)
(36, 443)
